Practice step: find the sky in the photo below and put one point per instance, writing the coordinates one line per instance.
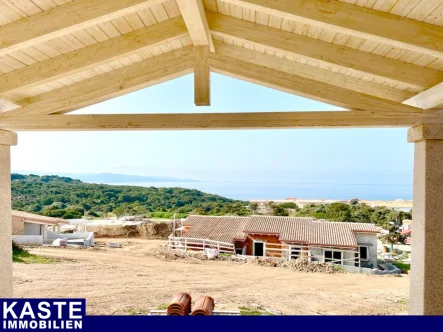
(356, 156)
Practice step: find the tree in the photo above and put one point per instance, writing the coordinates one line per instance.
(395, 221)
(279, 210)
(119, 211)
(253, 207)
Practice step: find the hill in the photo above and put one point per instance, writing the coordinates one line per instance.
(67, 198)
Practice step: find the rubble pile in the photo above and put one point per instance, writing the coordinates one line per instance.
(300, 265)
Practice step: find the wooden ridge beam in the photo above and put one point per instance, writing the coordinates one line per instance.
(356, 21)
(116, 83)
(216, 121)
(317, 74)
(193, 12)
(326, 53)
(202, 77)
(92, 56)
(304, 87)
(65, 19)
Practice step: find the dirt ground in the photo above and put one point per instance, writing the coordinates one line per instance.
(126, 280)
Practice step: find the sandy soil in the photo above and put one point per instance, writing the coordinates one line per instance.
(118, 281)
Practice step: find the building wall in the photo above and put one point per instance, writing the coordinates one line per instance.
(18, 226)
(32, 229)
(263, 238)
(370, 240)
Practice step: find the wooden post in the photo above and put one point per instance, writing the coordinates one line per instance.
(6, 140)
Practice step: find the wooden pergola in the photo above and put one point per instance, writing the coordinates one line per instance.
(380, 61)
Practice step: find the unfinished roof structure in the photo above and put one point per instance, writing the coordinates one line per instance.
(380, 61)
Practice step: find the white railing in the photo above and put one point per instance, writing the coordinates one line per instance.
(188, 243)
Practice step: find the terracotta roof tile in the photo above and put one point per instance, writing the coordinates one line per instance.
(224, 229)
(289, 229)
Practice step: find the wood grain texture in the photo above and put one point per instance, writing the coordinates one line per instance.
(301, 86)
(326, 53)
(355, 21)
(216, 121)
(62, 20)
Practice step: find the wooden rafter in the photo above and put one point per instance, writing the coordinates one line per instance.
(202, 77)
(431, 98)
(65, 19)
(321, 119)
(301, 86)
(355, 21)
(323, 52)
(92, 56)
(329, 77)
(193, 12)
(116, 83)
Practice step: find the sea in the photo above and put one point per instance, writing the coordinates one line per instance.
(268, 191)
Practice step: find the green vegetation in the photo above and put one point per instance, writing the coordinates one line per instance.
(355, 212)
(162, 306)
(403, 266)
(245, 311)
(67, 198)
(135, 312)
(20, 255)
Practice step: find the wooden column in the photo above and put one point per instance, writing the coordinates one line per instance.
(426, 289)
(202, 77)
(6, 140)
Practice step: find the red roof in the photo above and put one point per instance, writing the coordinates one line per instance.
(289, 229)
(309, 231)
(224, 229)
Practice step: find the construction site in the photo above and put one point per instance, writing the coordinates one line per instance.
(137, 277)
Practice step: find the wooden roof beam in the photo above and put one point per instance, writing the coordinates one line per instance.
(356, 21)
(193, 12)
(310, 72)
(65, 19)
(216, 121)
(304, 87)
(202, 77)
(429, 99)
(92, 56)
(327, 53)
(113, 84)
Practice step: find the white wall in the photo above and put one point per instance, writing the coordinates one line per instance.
(32, 229)
(370, 240)
(28, 240)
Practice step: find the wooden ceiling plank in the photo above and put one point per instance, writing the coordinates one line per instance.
(103, 87)
(92, 56)
(193, 12)
(356, 21)
(216, 121)
(322, 51)
(291, 67)
(304, 87)
(65, 19)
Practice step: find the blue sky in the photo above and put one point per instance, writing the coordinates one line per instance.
(360, 156)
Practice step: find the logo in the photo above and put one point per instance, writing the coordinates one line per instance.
(43, 314)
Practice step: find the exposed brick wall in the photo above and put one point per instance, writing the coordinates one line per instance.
(18, 226)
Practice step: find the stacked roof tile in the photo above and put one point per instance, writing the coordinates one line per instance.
(304, 230)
